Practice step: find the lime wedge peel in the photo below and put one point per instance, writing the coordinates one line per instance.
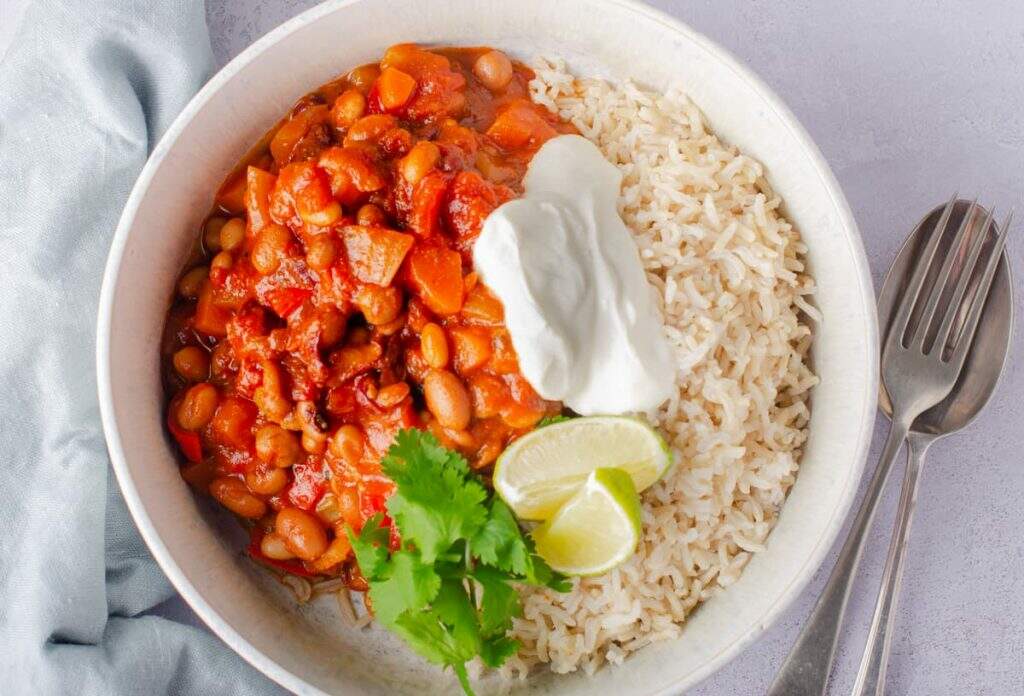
(539, 472)
(596, 529)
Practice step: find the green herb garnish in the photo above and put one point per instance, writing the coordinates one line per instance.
(447, 592)
(551, 420)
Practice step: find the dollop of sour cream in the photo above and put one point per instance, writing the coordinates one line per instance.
(583, 319)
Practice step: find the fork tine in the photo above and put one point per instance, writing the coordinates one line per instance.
(903, 311)
(943, 278)
(978, 301)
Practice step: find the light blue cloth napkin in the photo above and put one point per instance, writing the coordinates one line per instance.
(86, 89)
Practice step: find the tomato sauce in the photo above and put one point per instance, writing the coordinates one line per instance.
(331, 300)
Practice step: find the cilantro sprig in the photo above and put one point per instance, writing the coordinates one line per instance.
(551, 420)
(448, 591)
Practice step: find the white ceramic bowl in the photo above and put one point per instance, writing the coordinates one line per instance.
(200, 549)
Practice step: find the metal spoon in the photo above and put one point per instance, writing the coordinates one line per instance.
(970, 394)
(921, 372)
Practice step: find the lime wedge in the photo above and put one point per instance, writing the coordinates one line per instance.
(542, 470)
(596, 529)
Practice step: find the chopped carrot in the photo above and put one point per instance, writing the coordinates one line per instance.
(210, 318)
(395, 88)
(435, 273)
(258, 186)
(472, 347)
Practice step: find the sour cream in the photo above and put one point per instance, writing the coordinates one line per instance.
(582, 317)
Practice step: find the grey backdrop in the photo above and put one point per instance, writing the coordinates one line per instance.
(909, 101)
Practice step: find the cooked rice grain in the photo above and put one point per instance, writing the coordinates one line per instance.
(728, 270)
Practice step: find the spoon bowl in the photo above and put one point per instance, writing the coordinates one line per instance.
(978, 377)
(987, 356)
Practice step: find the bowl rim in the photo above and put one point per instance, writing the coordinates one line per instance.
(136, 507)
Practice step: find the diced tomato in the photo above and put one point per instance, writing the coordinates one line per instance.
(415, 364)
(379, 424)
(440, 90)
(258, 187)
(233, 287)
(427, 199)
(373, 105)
(373, 496)
(503, 357)
(489, 393)
(295, 129)
(458, 144)
(232, 461)
(284, 301)
(249, 377)
(300, 376)
(394, 89)
(245, 327)
(374, 253)
(233, 421)
(341, 401)
(210, 319)
(435, 274)
(372, 502)
(368, 130)
(302, 193)
(291, 273)
(520, 125)
(523, 393)
(187, 440)
(470, 200)
(395, 143)
(350, 168)
(308, 485)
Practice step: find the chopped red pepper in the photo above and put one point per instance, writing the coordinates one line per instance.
(309, 485)
(187, 440)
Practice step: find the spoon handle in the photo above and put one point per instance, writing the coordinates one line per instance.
(871, 676)
(806, 669)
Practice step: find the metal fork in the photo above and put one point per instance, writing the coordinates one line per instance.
(920, 368)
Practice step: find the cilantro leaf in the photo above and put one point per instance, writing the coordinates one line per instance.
(444, 634)
(496, 541)
(542, 575)
(458, 615)
(499, 603)
(551, 420)
(410, 585)
(494, 651)
(457, 537)
(447, 634)
(500, 543)
(437, 502)
(370, 547)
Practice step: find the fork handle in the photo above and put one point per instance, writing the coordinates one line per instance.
(871, 676)
(806, 669)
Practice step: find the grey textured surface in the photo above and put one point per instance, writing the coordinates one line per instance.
(909, 101)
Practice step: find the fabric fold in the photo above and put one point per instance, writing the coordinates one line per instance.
(86, 90)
